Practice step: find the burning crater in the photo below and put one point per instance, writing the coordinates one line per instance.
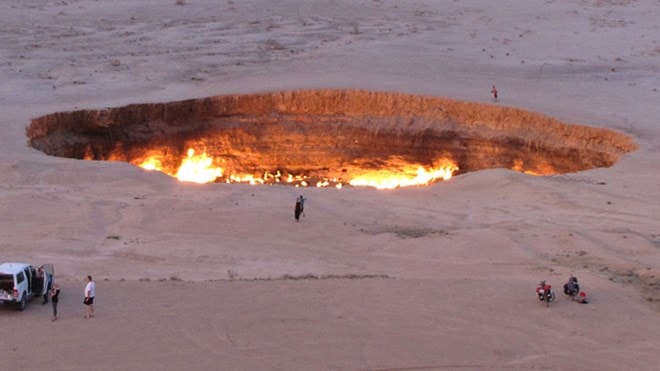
(326, 138)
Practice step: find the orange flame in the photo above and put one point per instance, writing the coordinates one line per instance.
(152, 163)
(198, 168)
(539, 168)
(393, 173)
(405, 175)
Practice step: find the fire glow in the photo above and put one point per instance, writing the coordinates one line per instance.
(198, 167)
(327, 138)
(405, 175)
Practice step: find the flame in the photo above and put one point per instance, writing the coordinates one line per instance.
(405, 175)
(391, 173)
(152, 163)
(540, 169)
(197, 168)
(245, 179)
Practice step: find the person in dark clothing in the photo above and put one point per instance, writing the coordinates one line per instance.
(38, 284)
(572, 288)
(297, 210)
(300, 207)
(54, 298)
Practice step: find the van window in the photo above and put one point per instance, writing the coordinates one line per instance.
(20, 277)
(6, 282)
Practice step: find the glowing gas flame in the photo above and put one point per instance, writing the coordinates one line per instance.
(245, 179)
(405, 175)
(198, 169)
(152, 163)
(540, 168)
(391, 173)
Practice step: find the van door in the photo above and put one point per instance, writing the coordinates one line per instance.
(29, 276)
(49, 276)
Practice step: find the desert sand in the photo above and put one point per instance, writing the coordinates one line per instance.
(220, 276)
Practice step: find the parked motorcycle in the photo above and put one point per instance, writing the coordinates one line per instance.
(545, 293)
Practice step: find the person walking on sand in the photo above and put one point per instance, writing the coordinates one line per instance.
(302, 205)
(90, 293)
(297, 210)
(494, 92)
(54, 298)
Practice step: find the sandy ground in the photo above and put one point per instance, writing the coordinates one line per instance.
(441, 277)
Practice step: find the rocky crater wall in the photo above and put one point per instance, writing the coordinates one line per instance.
(328, 132)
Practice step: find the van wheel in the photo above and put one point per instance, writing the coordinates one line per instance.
(23, 303)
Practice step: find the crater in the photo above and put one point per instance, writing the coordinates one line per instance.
(327, 137)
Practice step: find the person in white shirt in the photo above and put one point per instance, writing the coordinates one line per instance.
(90, 292)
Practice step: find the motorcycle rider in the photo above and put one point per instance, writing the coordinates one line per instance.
(571, 288)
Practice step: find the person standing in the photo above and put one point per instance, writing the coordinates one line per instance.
(297, 210)
(38, 284)
(90, 293)
(494, 92)
(54, 298)
(302, 205)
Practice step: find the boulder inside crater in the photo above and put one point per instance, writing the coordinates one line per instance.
(328, 137)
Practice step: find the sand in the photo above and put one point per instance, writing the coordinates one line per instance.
(441, 277)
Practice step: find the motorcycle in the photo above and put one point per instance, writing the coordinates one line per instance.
(545, 293)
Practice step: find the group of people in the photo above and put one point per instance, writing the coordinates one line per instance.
(572, 289)
(90, 288)
(90, 293)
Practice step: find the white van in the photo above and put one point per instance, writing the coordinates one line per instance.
(21, 281)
